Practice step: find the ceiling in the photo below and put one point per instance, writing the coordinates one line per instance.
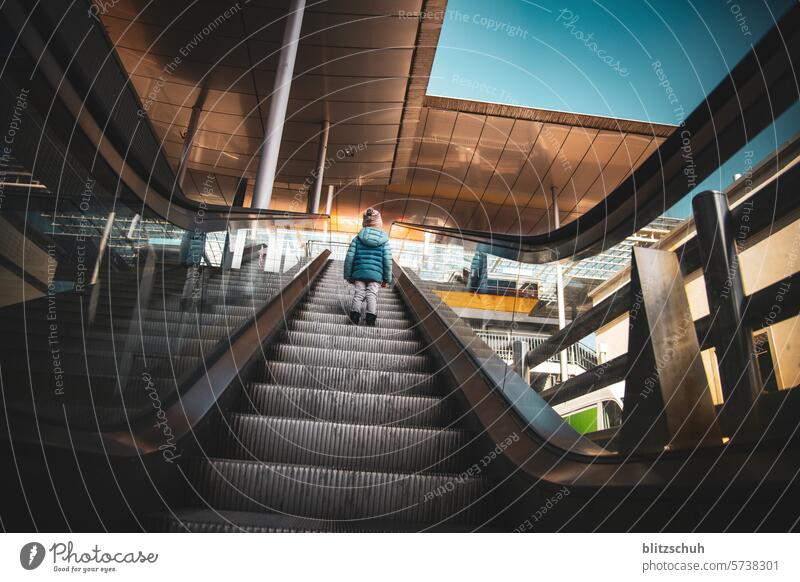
(364, 66)
(490, 166)
(353, 67)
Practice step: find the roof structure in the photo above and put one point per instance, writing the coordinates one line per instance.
(364, 67)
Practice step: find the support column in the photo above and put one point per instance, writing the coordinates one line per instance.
(322, 154)
(190, 133)
(329, 202)
(241, 191)
(562, 315)
(262, 194)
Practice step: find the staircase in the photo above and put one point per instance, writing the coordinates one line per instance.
(345, 428)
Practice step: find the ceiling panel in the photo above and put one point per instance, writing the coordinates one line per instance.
(490, 147)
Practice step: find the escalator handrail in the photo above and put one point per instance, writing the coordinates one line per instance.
(548, 451)
(184, 410)
(761, 87)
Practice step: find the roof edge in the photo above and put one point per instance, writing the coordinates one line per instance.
(549, 116)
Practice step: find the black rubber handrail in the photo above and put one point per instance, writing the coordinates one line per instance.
(761, 87)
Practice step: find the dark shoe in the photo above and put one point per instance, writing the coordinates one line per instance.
(355, 317)
(371, 318)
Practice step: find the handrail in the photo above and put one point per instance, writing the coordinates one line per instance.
(548, 452)
(184, 411)
(761, 312)
(757, 91)
(776, 201)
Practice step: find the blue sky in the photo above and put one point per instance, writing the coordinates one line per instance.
(634, 59)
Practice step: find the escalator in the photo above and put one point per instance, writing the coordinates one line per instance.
(282, 416)
(340, 428)
(86, 363)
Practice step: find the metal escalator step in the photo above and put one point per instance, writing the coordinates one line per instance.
(102, 363)
(325, 493)
(348, 359)
(198, 330)
(344, 300)
(343, 406)
(347, 329)
(220, 308)
(108, 344)
(343, 306)
(343, 309)
(304, 314)
(345, 445)
(337, 378)
(211, 521)
(349, 343)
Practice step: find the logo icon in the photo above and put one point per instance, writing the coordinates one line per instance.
(31, 555)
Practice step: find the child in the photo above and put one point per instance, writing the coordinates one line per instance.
(368, 264)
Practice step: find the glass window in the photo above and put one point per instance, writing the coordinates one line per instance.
(612, 414)
(584, 420)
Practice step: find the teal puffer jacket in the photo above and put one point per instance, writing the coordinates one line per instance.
(369, 257)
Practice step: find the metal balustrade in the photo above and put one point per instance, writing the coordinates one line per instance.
(503, 345)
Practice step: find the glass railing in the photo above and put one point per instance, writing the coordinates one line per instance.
(120, 310)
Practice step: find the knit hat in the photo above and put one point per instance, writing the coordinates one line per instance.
(372, 218)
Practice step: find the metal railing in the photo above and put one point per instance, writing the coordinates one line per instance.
(664, 344)
(503, 344)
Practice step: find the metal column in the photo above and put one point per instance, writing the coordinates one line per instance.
(191, 131)
(732, 339)
(241, 192)
(314, 198)
(329, 202)
(265, 178)
(562, 316)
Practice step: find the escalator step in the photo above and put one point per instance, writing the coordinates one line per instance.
(344, 309)
(348, 343)
(325, 493)
(211, 521)
(310, 315)
(363, 381)
(349, 330)
(357, 407)
(349, 359)
(346, 446)
(346, 295)
(341, 306)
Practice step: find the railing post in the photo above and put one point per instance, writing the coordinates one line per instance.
(562, 318)
(518, 351)
(667, 401)
(727, 303)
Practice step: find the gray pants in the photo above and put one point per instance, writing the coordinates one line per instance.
(368, 291)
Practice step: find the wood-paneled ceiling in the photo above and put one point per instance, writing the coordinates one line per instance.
(364, 66)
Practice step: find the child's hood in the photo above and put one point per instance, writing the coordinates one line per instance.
(373, 237)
